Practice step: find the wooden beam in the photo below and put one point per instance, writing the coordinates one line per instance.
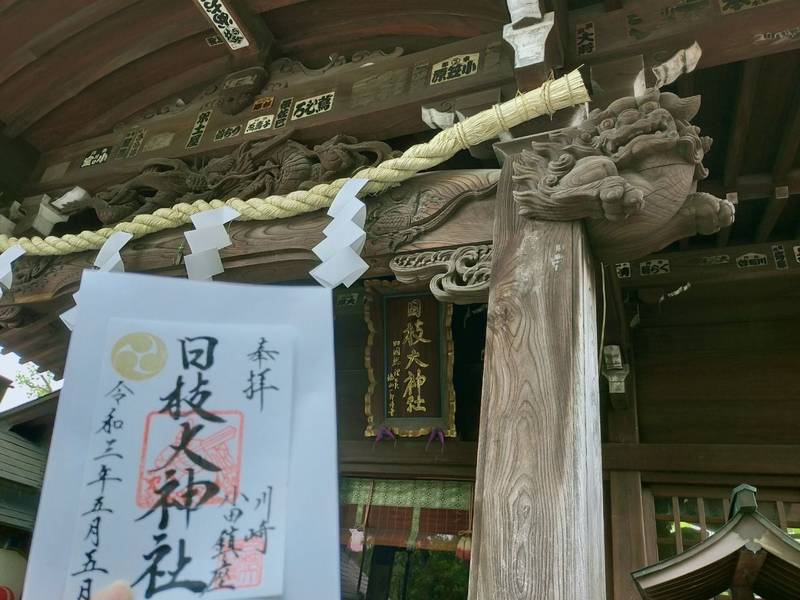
(54, 23)
(150, 95)
(748, 262)
(271, 251)
(614, 79)
(752, 187)
(17, 160)
(538, 530)
(703, 458)
(533, 33)
(561, 8)
(628, 539)
(246, 37)
(740, 125)
(408, 458)
(748, 566)
(772, 213)
(622, 420)
(789, 144)
(359, 109)
(84, 59)
(652, 26)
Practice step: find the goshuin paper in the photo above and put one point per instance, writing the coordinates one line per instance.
(172, 463)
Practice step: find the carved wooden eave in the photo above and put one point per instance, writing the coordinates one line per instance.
(459, 275)
(434, 211)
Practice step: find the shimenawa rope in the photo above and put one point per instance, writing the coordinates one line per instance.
(566, 91)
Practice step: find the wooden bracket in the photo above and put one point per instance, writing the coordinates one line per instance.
(244, 33)
(534, 36)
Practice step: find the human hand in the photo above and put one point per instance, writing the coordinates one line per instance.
(119, 590)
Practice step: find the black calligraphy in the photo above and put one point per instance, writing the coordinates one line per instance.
(198, 129)
(106, 476)
(182, 490)
(308, 107)
(225, 23)
(454, 67)
(257, 382)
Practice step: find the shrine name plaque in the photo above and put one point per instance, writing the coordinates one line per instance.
(409, 361)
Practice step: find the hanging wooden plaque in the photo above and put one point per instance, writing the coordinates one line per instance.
(409, 361)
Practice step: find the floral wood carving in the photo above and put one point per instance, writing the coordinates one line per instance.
(631, 171)
(256, 168)
(459, 275)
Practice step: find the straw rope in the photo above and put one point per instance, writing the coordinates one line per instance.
(486, 125)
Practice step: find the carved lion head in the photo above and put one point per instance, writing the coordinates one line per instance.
(629, 131)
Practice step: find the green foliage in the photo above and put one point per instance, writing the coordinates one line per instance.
(34, 383)
(432, 576)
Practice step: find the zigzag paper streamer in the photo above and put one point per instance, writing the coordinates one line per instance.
(340, 251)
(6, 271)
(206, 240)
(107, 259)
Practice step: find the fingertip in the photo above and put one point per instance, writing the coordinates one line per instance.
(119, 590)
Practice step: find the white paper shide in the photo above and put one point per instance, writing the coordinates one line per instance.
(107, 259)
(206, 240)
(340, 251)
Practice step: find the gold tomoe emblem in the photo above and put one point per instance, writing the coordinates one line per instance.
(139, 356)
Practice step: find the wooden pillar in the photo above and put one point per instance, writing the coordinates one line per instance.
(538, 530)
(629, 547)
(628, 534)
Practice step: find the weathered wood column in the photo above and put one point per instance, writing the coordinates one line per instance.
(538, 529)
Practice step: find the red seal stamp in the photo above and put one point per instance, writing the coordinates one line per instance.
(241, 566)
(192, 450)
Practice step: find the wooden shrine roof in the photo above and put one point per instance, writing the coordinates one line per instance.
(73, 70)
(65, 63)
(749, 552)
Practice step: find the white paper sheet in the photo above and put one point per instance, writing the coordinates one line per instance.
(173, 309)
(6, 270)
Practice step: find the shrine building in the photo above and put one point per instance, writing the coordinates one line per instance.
(569, 366)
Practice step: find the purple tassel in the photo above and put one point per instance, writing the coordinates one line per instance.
(436, 433)
(384, 433)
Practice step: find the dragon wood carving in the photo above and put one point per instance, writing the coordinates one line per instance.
(255, 169)
(631, 171)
